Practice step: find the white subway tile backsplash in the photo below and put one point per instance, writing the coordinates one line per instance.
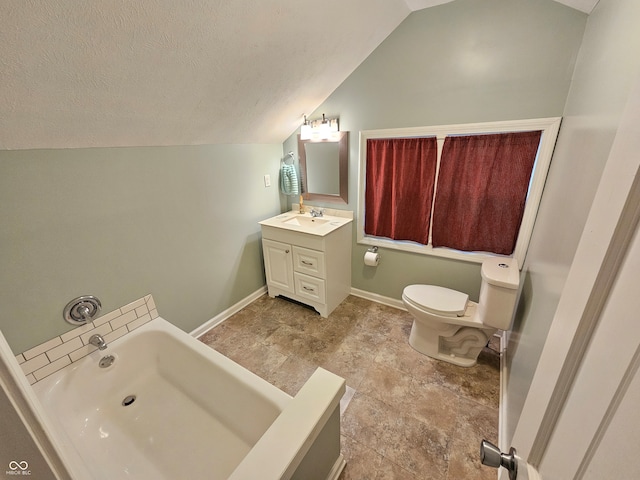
(81, 352)
(52, 367)
(35, 363)
(107, 317)
(141, 311)
(65, 349)
(43, 347)
(52, 355)
(123, 319)
(111, 336)
(76, 332)
(139, 322)
(150, 302)
(132, 305)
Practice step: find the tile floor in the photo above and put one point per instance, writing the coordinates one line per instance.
(405, 416)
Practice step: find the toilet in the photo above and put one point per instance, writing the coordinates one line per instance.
(449, 327)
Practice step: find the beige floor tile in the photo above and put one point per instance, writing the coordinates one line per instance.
(362, 462)
(409, 417)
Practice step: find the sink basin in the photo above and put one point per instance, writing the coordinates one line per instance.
(302, 221)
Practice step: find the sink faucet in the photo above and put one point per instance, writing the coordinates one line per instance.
(97, 340)
(317, 213)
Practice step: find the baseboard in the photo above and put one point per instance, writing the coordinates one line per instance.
(502, 409)
(222, 316)
(374, 297)
(337, 468)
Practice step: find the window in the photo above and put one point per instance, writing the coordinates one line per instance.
(459, 191)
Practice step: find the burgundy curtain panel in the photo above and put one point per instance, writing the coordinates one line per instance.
(482, 189)
(400, 175)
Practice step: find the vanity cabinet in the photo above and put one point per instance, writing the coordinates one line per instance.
(312, 269)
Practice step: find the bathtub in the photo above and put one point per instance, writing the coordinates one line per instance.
(170, 407)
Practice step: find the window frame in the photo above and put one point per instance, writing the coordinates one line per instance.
(549, 127)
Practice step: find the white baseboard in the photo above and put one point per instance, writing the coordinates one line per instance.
(374, 297)
(222, 316)
(337, 468)
(502, 408)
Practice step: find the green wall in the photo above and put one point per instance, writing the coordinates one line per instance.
(461, 62)
(181, 222)
(608, 67)
(119, 223)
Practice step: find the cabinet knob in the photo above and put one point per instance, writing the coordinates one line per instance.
(286, 251)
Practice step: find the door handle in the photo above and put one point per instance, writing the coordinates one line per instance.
(491, 456)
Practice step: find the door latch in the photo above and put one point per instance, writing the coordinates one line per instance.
(491, 456)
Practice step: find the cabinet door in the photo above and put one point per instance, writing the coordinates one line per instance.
(278, 262)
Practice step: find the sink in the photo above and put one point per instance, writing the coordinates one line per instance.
(305, 223)
(302, 221)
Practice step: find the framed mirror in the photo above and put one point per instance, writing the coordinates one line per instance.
(324, 167)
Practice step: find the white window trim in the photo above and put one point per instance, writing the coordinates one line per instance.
(549, 127)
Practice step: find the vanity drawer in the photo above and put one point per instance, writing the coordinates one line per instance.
(308, 261)
(311, 288)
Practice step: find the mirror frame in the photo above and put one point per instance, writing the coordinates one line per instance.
(343, 169)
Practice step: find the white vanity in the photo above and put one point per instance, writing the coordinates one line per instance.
(308, 258)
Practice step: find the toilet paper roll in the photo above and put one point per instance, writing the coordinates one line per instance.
(372, 259)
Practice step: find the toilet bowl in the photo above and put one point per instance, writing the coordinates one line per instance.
(449, 327)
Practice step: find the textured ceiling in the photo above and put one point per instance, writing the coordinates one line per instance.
(166, 72)
(585, 6)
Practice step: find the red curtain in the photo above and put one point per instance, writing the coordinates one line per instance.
(400, 175)
(482, 189)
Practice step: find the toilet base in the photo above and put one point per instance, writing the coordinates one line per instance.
(457, 345)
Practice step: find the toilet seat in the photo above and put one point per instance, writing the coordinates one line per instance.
(437, 300)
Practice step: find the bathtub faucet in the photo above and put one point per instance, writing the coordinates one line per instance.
(97, 340)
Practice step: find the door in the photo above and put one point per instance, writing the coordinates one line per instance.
(580, 418)
(278, 261)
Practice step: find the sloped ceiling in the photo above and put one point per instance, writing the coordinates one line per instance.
(585, 6)
(165, 72)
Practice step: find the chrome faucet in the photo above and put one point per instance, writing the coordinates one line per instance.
(317, 213)
(97, 340)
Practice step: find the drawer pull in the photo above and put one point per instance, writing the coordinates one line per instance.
(309, 289)
(304, 262)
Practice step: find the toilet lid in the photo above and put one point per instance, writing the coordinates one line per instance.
(438, 300)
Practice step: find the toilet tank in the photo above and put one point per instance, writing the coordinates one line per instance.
(500, 280)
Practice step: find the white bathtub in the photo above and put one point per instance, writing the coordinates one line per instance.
(196, 414)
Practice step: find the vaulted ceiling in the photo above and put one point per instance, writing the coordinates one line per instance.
(166, 72)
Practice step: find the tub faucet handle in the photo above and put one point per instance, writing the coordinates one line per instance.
(84, 312)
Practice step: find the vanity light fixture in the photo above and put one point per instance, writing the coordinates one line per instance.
(321, 129)
(305, 129)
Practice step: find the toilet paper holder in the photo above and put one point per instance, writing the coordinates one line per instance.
(372, 257)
